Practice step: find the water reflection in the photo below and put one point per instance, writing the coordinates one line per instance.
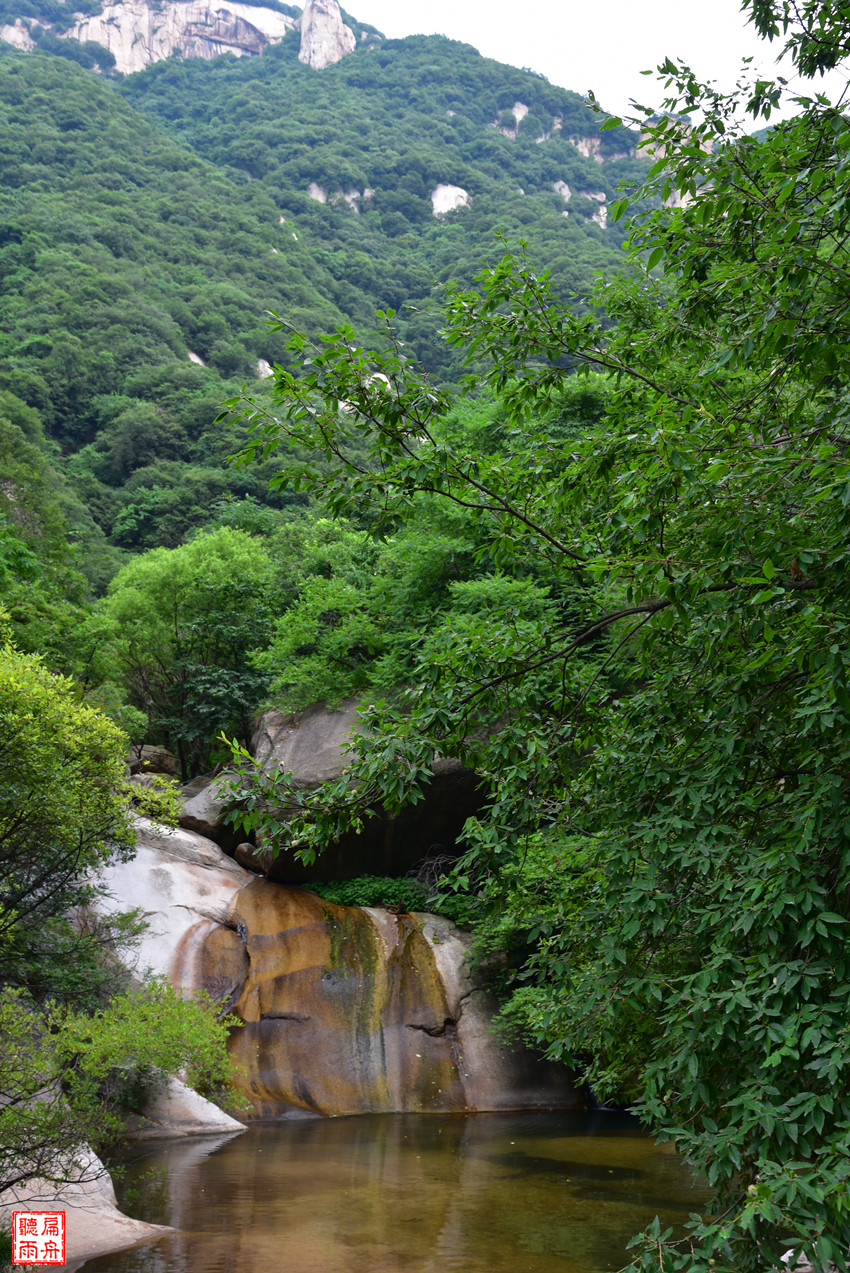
(405, 1193)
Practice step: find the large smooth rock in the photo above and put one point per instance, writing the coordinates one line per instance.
(184, 886)
(351, 1011)
(178, 1110)
(346, 1010)
(312, 746)
(205, 802)
(495, 1075)
(94, 1225)
(343, 1014)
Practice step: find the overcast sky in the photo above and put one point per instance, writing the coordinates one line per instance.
(586, 44)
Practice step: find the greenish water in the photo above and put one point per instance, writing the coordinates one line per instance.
(401, 1193)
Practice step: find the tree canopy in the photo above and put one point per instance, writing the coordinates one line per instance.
(185, 620)
(62, 810)
(150, 221)
(79, 1045)
(670, 750)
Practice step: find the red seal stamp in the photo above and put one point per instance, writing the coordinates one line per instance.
(38, 1237)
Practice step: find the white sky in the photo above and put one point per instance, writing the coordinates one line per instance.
(601, 45)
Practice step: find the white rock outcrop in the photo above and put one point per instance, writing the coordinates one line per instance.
(598, 196)
(337, 197)
(94, 1225)
(520, 110)
(446, 198)
(18, 35)
(138, 33)
(561, 188)
(590, 147)
(184, 886)
(325, 38)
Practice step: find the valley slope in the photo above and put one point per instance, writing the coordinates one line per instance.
(148, 222)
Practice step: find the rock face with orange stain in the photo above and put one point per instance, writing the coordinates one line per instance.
(340, 1017)
(346, 1010)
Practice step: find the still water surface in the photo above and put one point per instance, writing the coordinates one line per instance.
(405, 1193)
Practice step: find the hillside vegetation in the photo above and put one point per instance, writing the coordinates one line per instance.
(149, 224)
(620, 596)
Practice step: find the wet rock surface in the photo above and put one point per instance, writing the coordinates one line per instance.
(343, 1014)
(351, 1011)
(346, 1010)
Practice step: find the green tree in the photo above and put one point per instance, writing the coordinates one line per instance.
(76, 1046)
(62, 807)
(694, 740)
(186, 620)
(68, 1077)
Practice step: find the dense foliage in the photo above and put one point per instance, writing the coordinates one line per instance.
(673, 763)
(149, 223)
(146, 227)
(620, 595)
(67, 1077)
(62, 811)
(385, 127)
(185, 621)
(122, 251)
(402, 893)
(77, 1043)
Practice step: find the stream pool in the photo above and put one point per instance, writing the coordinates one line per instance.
(404, 1193)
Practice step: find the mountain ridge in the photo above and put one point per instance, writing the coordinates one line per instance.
(138, 33)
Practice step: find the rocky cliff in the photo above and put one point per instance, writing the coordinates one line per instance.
(138, 33)
(345, 1010)
(324, 36)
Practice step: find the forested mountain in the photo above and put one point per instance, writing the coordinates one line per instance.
(150, 221)
(147, 224)
(619, 597)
